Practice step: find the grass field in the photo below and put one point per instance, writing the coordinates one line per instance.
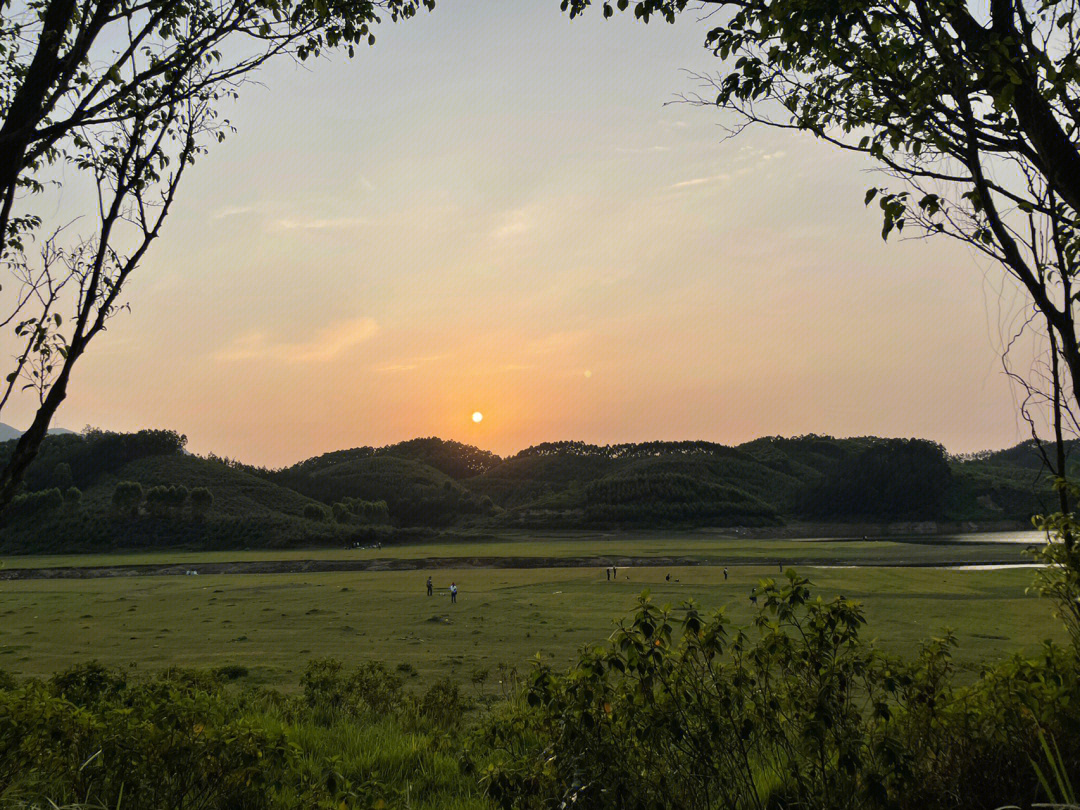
(272, 624)
(705, 546)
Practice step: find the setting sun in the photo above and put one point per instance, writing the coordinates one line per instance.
(477, 416)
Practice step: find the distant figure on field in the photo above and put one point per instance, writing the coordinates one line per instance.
(725, 575)
(614, 572)
(668, 578)
(781, 564)
(429, 586)
(753, 595)
(608, 572)
(453, 593)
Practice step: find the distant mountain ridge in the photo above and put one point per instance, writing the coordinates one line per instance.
(7, 432)
(427, 485)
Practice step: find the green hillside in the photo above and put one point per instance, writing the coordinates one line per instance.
(246, 510)
(415, 493)
(101, 490)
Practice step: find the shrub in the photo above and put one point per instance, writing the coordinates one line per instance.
(165, 743)
(35, 503)
(201, 501)
(230, 672)
(341, 512)
(443, 704)
(376, 688)
(73, 497)
(683, 710)
(157, 500)
(324, 688)
(128, 496)
(313, 511)
(178, 495)
(61, 477)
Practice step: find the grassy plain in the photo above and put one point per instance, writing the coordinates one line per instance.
(720, 549)
(273, 623)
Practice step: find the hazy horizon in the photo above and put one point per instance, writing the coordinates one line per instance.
(496, 209)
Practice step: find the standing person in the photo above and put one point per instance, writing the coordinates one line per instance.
(753, 595)
(781, 564)
(614, 572)
(725, 574)
(429, 588)
(453, 593)
(608, 572)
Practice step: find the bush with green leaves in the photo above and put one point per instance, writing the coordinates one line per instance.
(341, 512)
(164, 500)
(31, 504)
(97, 738)
(799, 711)
(61, 477)
(367, 511)
(201, 501)
(313, 511)
(91, 736)
(127, 497)
(331, 693)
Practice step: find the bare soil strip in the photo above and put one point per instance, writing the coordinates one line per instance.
(436, 563)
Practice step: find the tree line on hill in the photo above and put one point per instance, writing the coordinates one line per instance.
(145, 488)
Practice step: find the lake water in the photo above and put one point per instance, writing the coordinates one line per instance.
(1025, 538)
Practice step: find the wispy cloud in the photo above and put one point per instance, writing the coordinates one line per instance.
(700, 181)
(409, 365)
(514, 223)
(328, 345)
(337, 223)
(557, 342)
(233, 211)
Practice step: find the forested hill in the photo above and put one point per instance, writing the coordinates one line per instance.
(100, 490)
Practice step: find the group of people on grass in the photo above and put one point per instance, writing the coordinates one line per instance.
(453, 590)
(612, 573)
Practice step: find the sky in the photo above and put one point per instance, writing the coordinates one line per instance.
(498, 210)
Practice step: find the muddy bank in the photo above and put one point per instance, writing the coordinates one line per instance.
(436, 563)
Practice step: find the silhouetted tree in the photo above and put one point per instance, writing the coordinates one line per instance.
(972, 109)
(125, 95)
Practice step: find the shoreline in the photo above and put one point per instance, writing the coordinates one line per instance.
(321, 566)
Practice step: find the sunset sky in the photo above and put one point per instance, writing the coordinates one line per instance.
(498, 210)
